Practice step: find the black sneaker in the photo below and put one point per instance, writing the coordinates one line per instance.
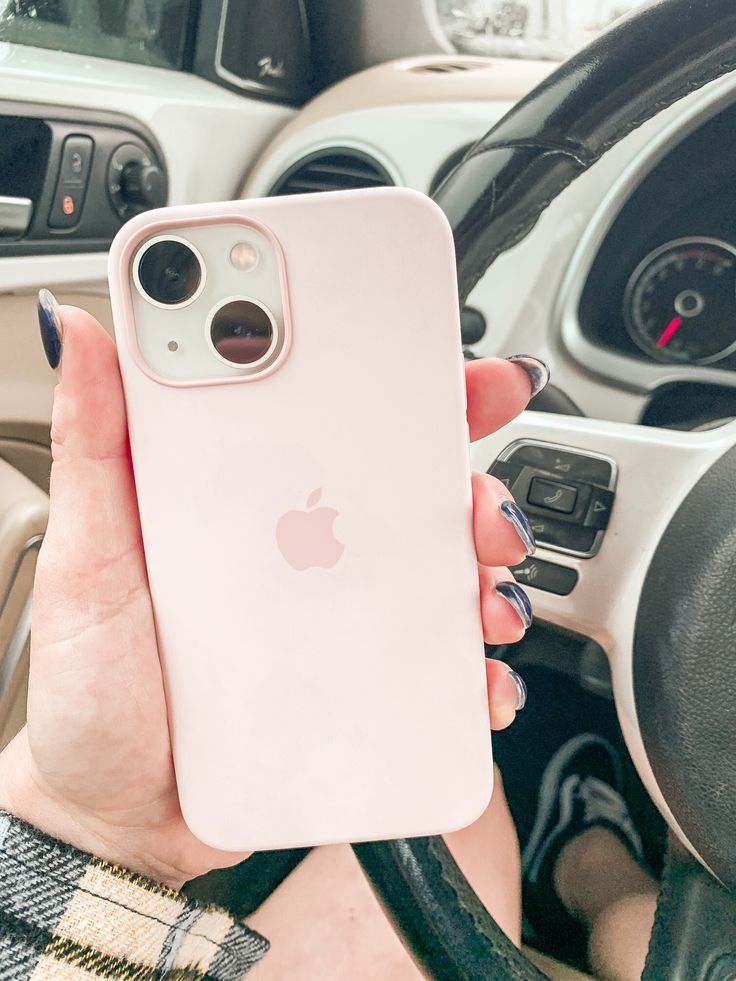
(580, 789)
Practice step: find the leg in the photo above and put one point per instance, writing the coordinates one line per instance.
(324, 921)
(601, 884)
(488, 855)
(585, 890)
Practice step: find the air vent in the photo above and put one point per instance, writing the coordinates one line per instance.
(336, 169)
(450, 67)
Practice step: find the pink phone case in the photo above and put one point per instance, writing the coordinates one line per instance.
(344, 701)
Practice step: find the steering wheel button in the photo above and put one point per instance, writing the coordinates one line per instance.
(552, 495)
(561, 463)
(546, 576)
(599, 510)
(507, 473)
(569, 537)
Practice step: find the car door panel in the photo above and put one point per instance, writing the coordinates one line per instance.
(23, 517)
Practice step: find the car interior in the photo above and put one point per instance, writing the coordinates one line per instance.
(585, 160)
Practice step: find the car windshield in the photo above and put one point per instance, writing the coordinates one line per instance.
(547, 29)
(153, 32)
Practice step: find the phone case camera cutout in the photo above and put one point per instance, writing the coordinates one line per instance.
(209, 302)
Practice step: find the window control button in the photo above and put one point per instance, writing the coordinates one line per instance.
(550, 494)
(507, 473)
(599, 510)
(547, 576)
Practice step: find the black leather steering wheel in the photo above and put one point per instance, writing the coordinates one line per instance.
(675, 667)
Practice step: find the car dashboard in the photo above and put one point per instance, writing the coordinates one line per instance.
(627, 285)
(644, 239)
(660, 289)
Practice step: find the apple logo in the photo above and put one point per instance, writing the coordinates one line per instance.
(306, 539)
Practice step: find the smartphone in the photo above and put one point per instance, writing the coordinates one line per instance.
(294, 383)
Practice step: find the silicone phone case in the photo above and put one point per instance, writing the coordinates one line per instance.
(328, 704)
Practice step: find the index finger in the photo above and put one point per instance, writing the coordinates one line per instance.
(498, 390)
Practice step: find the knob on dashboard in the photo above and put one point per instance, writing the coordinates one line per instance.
(135, 182)
(143, 185)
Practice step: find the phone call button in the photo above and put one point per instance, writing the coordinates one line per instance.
(553, 495)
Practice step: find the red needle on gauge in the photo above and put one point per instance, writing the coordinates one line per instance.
(669, 332)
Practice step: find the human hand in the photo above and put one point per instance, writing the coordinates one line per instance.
(93, 766)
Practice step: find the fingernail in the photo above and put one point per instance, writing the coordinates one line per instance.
(50, 323)
(515, 516)
(521, 690)
(515, 595)
(537, 370)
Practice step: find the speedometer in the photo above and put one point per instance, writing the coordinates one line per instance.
(680, 303)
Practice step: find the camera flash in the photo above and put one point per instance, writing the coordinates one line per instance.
(244, 256)
(173, 346)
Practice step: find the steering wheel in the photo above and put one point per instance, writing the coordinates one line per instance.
(660, 597)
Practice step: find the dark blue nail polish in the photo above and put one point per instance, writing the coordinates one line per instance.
(515, 516)
(521, 688)
(537, 370)
(515, 595)
(50, 324)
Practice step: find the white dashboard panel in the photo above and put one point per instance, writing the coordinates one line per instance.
(520, 294)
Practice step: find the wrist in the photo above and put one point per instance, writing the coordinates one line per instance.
(24, 795)
(70, 909)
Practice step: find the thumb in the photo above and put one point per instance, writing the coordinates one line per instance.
(92, 551)
(89, 410)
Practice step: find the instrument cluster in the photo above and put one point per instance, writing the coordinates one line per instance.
(680, 302)
(661, 287)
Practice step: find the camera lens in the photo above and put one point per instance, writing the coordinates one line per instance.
(169, 272)
(242, 332)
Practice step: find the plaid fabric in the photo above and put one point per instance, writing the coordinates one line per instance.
(69, 916)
